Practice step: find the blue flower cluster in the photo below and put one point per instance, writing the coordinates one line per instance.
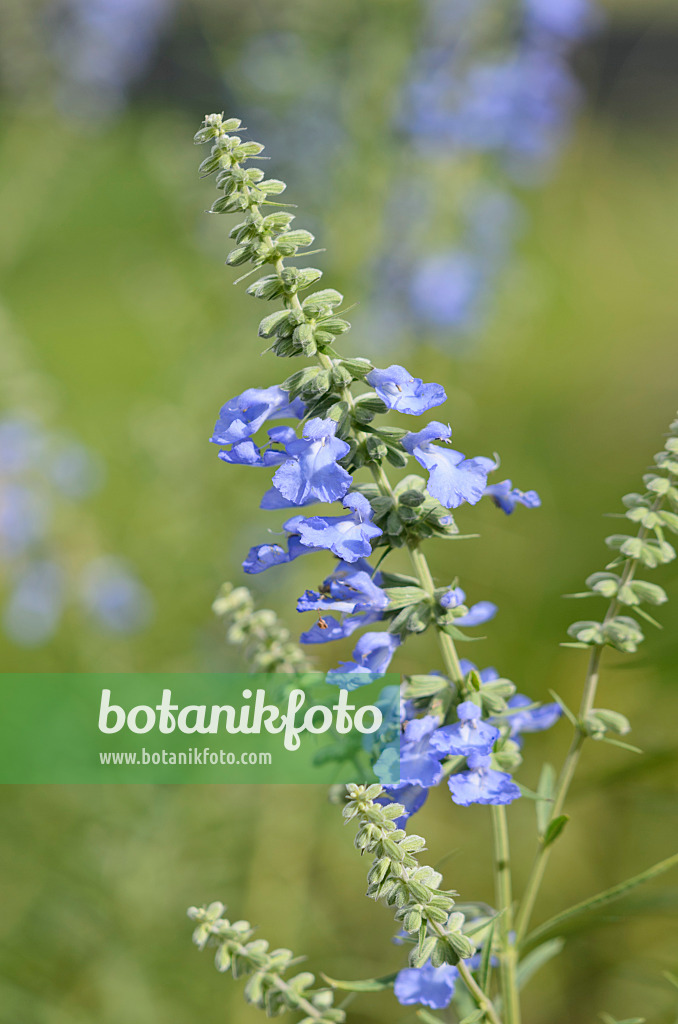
(311, 469)
(41, 475)
(470, 752)
(489, 102)
(100, 47)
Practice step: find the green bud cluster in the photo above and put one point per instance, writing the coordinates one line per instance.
(307, 326)
(648, 549)
(266, 644)
(422, 907)
(266, 988)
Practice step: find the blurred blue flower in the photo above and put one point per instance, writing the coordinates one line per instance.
(114, 596)
(24, 516)
(21, 446)
(75, 471)
(447, 289)
(101, 47)
(34, 609)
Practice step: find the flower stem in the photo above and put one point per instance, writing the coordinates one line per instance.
(484, 1002)
(574, 753)
(504, 898)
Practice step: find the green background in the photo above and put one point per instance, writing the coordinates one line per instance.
(122, 325)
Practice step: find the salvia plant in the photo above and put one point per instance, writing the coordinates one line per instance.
(460, 725)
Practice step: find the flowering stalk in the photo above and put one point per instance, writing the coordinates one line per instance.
(237, 951)
(465, 726)
(266, 643)
(622, 632)
(339, 437)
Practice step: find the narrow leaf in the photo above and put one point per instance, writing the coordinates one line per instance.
(531, 963)
(545, 789)
(566, 711)
(601, 899)
(486, 961)
(428, 1018)
(554, 829)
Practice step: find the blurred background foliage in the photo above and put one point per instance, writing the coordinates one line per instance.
(119, 327)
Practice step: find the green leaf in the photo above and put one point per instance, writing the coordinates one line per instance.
(600, 900)
(545, 790)
(473, 1017)
(365, 985)
(428, 1018)
(566, 711)
(486, 960)
(401, 597)
(554, 829)
(531, 963)
(607, 1019)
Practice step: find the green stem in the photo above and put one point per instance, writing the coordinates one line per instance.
(504, 898)
(449, 655)
(484, 1002)
(574, 753)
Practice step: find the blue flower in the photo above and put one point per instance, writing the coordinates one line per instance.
(411, 796)
(404, 393)
(468, 735)
(567, 19)
(311, 469)
(348, 537)
(328, 628)
(430, 986)
(247, 453)
(452, 478)
(263, 557)
(453, 598)
(533, 720)
(273, 500)
(477, 614)
(482, 784)
(371, 658)
(487, 675)
(506, 497)
(348, 590)
(243, 415)
(419, 756)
